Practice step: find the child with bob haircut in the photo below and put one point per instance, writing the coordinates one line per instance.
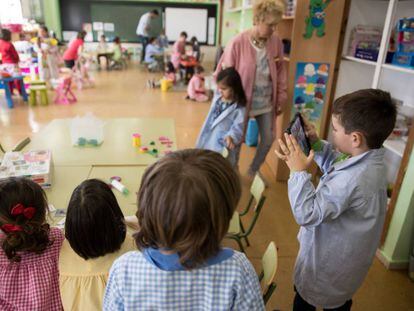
(186, 201)
(29, 248)
(95, 236)
(341, 220)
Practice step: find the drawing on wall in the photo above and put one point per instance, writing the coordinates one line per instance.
(310, 90)
(315, 22)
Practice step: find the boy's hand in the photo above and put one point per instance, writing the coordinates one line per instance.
(310, 131)
(229, 142)
(293, 155)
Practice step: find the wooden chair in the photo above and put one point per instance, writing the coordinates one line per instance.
(268, 273)
(236, 229)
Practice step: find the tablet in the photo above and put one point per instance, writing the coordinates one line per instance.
(297, 129)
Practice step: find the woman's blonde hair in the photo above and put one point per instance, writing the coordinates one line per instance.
(264, 8)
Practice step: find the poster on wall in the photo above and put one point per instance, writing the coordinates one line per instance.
(310, 90)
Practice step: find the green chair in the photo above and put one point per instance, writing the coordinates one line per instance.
(236, 229)
(38, 87)
(269, 268)
(19, 146)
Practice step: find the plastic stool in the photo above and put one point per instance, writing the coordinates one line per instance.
(38, 87)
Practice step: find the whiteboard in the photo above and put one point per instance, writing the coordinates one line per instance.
(192, 21)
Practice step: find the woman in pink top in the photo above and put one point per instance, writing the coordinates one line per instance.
(74, 49)
(179, 50)
(257, 54)
(29, 251)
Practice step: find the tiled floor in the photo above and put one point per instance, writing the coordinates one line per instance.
(123, 94)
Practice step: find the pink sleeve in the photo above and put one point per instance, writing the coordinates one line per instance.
(228, 59)
(281, 77)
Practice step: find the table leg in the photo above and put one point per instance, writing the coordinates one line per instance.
(24, 93)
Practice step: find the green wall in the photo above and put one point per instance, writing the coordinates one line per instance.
(235, 22)
(52, 16)
(397, 246)
(52, 12)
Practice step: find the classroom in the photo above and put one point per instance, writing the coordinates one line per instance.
(207, 155)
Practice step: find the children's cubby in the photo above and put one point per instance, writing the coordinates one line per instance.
(356, 73)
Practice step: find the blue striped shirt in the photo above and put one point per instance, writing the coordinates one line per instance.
(137, 283)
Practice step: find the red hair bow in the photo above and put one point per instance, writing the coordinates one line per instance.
(19, 209)
(8, 228)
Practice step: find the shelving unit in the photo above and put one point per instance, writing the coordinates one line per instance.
(355, 74)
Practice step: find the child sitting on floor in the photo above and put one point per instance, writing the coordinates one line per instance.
(169, 77)
(96, 235)
(29, 248)
(341, 220)
(154, 56)
(223, 127)
(196, 90)
(186, 201)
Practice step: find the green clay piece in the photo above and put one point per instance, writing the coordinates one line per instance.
(81, 141)
(152, 143)
(93, 142)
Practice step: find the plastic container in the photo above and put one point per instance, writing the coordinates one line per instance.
(252, 135)
(87, 131)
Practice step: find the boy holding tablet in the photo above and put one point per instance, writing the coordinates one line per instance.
(341, 220)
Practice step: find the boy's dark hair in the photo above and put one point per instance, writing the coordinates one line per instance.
(183, 34)
(155, 12)
(198, 69)
(33, 235)
(170, 67)
(94, 223)
(193, 40)
(117, 40)
(231, 78)
(152, 40)
(81, 34)
(186, 201)
(5, 34)
(371, 112)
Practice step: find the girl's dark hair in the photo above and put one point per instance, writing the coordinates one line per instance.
(193, 40)
(170, 67)
(34, 234)
(198, 69)
(186, 201)
(183, 34)
(231, 78)
(152, 39)
(5, 34)
(117, 40)
(81, 34)
(43, 27)
(94, 223)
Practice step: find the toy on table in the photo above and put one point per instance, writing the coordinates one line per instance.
(116, 183)
(87, 131)
(136, 140)
(404, 56)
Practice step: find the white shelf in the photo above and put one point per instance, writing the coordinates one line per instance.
(236, 9)
(358, 60)
(398, 68)
(395, 145)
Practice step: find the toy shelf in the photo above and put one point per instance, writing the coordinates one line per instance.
(395, 145)
(398, 68)
(359, 60)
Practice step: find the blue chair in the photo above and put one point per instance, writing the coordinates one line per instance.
(4, 84)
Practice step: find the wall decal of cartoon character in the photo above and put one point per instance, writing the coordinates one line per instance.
(316, 19)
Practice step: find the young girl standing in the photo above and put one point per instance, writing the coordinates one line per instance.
(29, 249)
(224, 123)
(186, 201)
